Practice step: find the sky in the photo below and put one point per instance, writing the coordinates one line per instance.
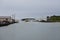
(29, 8)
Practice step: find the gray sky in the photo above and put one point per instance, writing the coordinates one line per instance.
(30, 8)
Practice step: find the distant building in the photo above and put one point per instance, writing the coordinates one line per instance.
(53, 18)
(28, 19)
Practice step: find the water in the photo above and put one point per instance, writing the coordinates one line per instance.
(31, 31)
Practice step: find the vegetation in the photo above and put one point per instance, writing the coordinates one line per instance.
(54, 18)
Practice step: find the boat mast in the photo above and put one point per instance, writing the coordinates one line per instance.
(13, 16)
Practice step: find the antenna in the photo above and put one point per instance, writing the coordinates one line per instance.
(13, 16)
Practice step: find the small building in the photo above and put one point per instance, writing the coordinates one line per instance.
(53, 18)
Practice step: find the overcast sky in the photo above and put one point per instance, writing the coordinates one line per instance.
(30, 8)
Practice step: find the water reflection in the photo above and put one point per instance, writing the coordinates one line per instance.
(31, 31)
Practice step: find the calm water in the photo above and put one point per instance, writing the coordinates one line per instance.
(31, 31)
